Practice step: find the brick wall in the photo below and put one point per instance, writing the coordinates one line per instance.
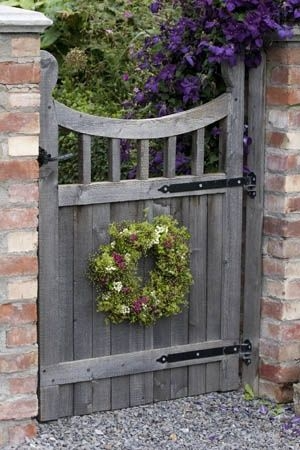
(19, 171)
(280, 323)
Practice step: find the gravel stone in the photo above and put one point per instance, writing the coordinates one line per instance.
(217, 421)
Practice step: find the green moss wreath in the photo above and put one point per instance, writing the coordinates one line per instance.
(113, 270)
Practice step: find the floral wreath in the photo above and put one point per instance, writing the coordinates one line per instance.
(114, 271)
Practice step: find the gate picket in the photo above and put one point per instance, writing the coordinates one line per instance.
(87, 365)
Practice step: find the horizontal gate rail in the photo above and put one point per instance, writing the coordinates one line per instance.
(125, 364)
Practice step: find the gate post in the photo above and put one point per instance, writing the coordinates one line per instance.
(19, 134)
(280, 325)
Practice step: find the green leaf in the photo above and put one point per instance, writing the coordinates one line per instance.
(248, 393)
(50, 36)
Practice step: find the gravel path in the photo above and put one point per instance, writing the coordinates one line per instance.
(211, 421)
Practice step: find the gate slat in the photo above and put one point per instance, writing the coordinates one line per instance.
(170, 157)
(214, 282)
(142, 159)
(197, 159)
(101, 330)
(83, 303)
(114, 160)
(66, 268)
(84, 160)
(197, 219)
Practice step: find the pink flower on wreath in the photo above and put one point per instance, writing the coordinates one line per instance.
(119, 260)
(139, 303)
(133, 237)
(126, 290)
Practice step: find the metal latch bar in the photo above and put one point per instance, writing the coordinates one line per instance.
(244, 350)
(248, 181)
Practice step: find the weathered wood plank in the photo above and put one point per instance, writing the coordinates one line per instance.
(49, 303)
(66, 268)
(114, 160)
(170, 157)
(130, 190)
(254, 219)
(122, 364)
(214, 281)
(101, 330)
(84, 158)
(197, 161)
(197, 220)
(142, 160)
(83, 303)
(161, 127)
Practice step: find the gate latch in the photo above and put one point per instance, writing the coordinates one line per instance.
(244, 350)
(45, 157)
(248, 182)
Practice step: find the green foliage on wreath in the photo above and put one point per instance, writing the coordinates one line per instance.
(114, 271)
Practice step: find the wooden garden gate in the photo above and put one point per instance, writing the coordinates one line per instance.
(87, 365)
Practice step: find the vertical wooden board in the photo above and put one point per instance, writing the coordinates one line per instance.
(254, 221)
(197, 219)
(179, 323)
(162, 330)
(214, 282)
(83, 303)
(120, 334)
(48, 298)
(101, 330)
(66, 268)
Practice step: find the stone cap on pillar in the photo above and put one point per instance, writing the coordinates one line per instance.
(16, 20)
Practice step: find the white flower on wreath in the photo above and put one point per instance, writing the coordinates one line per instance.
(127, 257)
(125, 309)
(110, 268)
(117, 286)
(161, 229)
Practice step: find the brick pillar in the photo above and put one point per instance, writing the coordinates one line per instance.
(280, 326)
(19, 134)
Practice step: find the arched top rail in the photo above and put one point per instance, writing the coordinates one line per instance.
(161, 127)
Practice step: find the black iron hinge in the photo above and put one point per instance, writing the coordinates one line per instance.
(248, 182)
(45, 157)
(244, 350)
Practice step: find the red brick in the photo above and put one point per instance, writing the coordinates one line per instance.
(281, 162)
(18, 409)
(16, 73)
(20, 336)
(284, 248)
(18, 362)
(293, 204)
(284, 55)
(18, 265)
(17, 122)
(281, 331)
(294, 119)
(18, 433)
(283, 96)
(271, 309)
(23, 385)
(280, 373)
(281, 227)
(275, 183)
(281, 393)
(285, 75)
(24, 193)
(19, 170)
(273, 267)
(276, 139)
(16, 218)
(18, 313)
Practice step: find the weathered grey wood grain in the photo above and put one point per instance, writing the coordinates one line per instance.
(233, 221)
(83, 303)
(172, 125)
(142, 160)
(130, 190)
(49, 329)
(197, 221)
(101, 330)
(84, 160)
(123, 364)
(170, 157)
(66, 293)
(114, 160)
(197, 160)
(254, 219)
